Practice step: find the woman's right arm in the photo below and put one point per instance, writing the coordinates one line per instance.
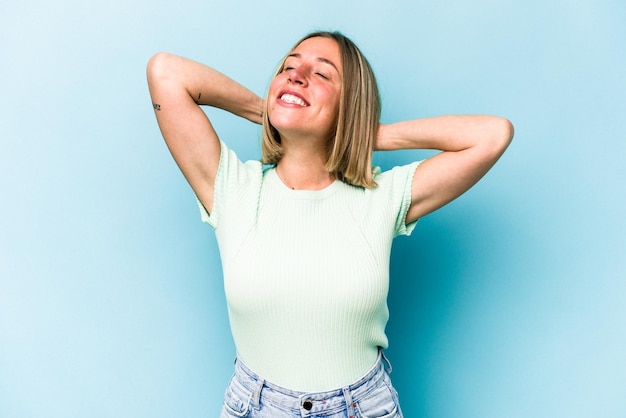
(177, 87)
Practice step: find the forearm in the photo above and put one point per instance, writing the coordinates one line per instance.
(203, 85)
(446, 133)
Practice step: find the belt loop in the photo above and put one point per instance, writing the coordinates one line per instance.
(388, 367)
(348, 395)
(256, 395)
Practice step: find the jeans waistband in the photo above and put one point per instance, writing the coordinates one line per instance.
(307, 402)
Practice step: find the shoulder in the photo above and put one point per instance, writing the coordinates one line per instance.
(396, 178)
(230, 165)
(236, 184)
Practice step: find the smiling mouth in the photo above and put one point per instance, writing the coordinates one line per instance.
(290, 98)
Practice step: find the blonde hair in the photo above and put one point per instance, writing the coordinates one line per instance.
(350, 150)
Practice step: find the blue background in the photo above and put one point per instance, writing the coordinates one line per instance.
(509, 302)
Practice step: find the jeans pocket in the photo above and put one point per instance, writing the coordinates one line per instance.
(237, 400)
(382, 402)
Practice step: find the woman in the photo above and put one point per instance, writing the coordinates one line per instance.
(305, 243)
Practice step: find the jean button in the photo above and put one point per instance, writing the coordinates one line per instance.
(308, 405)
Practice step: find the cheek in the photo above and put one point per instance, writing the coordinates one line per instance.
(334, 96)
(273, 89)
(271, 96)
(334, 106)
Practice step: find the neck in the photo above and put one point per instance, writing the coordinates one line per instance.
(302, 169)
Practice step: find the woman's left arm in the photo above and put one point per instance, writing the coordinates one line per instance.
(471, 145)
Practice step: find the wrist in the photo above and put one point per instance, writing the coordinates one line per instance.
(384, 139)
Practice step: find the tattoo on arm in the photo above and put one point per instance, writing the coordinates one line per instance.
(198, 99)
(156, 106)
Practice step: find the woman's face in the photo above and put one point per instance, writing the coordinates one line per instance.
(304, 97)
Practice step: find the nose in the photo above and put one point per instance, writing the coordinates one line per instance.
(297, 75)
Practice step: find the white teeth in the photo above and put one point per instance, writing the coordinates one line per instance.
(290, 98)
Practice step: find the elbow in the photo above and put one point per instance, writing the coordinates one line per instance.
(508, 130)
(502, 131)
(157, 68)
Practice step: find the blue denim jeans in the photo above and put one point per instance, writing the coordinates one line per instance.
(372, 396)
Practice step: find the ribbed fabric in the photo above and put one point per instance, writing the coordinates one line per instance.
(306, 273)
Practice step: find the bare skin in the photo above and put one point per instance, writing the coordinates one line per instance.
(177, 87)
(471, 145)
(302, 106)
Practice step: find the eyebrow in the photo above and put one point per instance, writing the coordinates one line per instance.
(320, 59)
